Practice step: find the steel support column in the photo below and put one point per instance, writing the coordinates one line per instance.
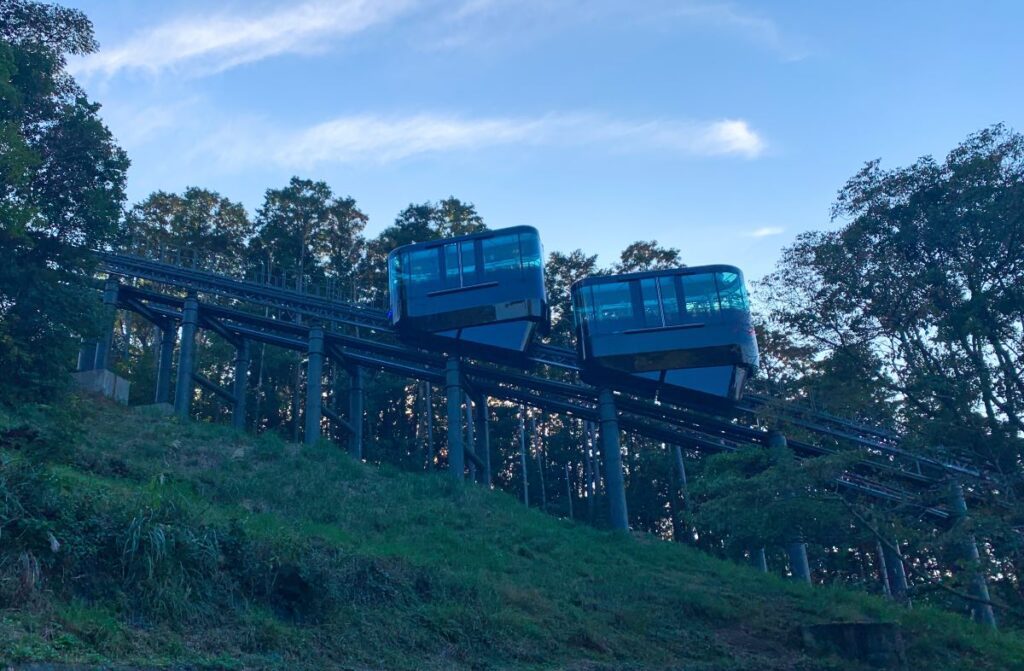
(896, 574)
(86, 355)
(336, 394)
(615, 484)
(568, 490)
(778, 445)
(430, 425)
(883, 569)
(798, 564)
(589, 468)
(981, 612)
(241, 386)
(522, 456)
(677, 453)
(105, 342)
(453, 392)
(355, 411)
(470, 437)
(168, 336)
(184, 389)
(681, 495)
(796, 550)
(483, 440)
(314, 385)
(759, 560)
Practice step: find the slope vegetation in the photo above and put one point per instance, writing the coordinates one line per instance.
(132, 539)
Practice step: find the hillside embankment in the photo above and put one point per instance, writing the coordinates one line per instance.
(133, 540)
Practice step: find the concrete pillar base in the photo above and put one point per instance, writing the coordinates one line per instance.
(155, 409)
(103, 382)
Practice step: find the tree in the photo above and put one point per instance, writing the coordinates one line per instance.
(914, 308)
(199, 220)
(560, 271)
(755, 497)
(305, 229)
(308, 236)
(452, 217)
(416, 223)
(922, 290)
(647, 255)
(61, 194)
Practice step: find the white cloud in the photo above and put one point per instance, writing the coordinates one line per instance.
(378, 139)
(215, 42)
(757, 29)
(218, 42)
(384, 140)
(135, 124)
(766, 232)
(482, 22)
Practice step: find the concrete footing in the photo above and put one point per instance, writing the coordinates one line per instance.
(878, 645)
(155, 409)
(103, 382)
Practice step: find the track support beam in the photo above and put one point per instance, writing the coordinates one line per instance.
(981, 610)
(453, 392)
(355, 411)
(185, 389)
(168, 337)
(106, 339)
(615, 485)
(522, 456)
(470, 438)
(87, 355)
(895, 572)
(798, 564)
(758, 560)
(796, 549)
(241, 385)
(429, 402)
(483, 440)
(314, 385)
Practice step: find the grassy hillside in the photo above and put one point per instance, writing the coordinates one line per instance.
(136, 539)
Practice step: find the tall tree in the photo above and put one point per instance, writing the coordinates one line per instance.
(647, 255)
(199, 220)
(306, 235)
(922, 290)
(416, 223)
(61, 194)
(452, 217)
(560, 271)
(304, 228)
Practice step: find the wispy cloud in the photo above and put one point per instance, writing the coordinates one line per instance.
(213, 43)
(137, 124)
(377, 139)
(484, 21)
(754, 27)
(766, 232)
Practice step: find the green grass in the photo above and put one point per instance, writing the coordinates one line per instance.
(190, 544)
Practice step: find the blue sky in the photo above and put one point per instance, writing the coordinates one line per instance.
(721, 128)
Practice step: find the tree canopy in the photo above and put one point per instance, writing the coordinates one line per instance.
(921, 292)
(198, 219)
(648, 255)
(61, 193)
